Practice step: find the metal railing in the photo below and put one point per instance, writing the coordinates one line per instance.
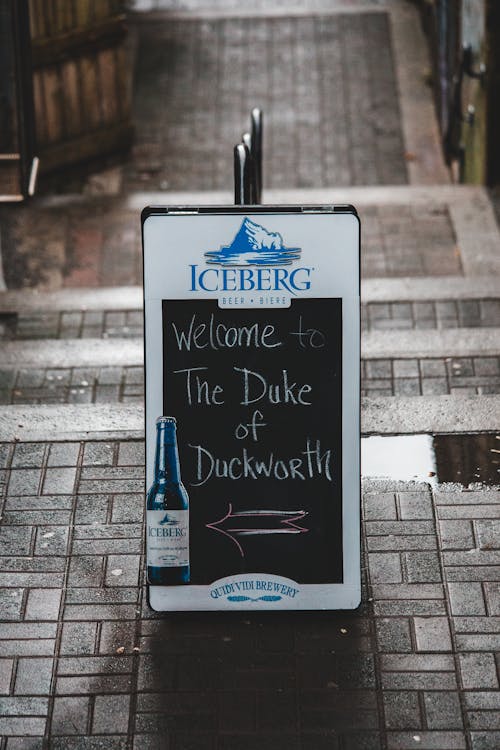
(248, 164)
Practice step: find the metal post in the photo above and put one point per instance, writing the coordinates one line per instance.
(256, 140)
(246, 139)
(242, 191)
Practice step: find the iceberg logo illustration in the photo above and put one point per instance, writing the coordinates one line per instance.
(169, 520)
(253, 245)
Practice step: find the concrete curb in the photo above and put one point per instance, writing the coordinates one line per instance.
(416, 289)
(391, 344)
(448, 342)
(103, 298)
(65, 353)
(379, 416)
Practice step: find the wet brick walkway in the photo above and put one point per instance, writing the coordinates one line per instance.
(375, 316)
(466, 313)
(81, 655)
(73, 385)
(72, 325)
(407, 241)
(326, 85)
(435, 376)
(94, 242)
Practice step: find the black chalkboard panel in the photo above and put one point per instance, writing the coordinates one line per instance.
(257, 395)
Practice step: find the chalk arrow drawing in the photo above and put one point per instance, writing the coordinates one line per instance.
(253, 522)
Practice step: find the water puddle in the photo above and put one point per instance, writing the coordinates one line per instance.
(465, 459)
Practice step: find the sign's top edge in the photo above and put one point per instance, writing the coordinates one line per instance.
(176, 210)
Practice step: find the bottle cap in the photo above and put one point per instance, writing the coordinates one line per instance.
(166, 420)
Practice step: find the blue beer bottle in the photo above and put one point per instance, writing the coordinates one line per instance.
(167, 513)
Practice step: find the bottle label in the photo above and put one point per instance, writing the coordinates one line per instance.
(168, 538)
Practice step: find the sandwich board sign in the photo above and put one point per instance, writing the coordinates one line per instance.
(252, 356)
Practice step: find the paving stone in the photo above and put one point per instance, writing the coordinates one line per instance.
(59, 481)
(422, 567)
(385, 567)
(443, 710)
(485, 740)
(488, 533)
(11, 603)
(432, 634)
(406, 368)
(417, 662)
(111, 714)
(115, 635)
(131, 453)
(466, 599)
(24, 481)
(15, 540)
(33, 676)
(98, 454)
(478, 670)
(393, 634)
(25, 743)
(426, 741)
(92, 509)
(415, 505)
(409, 608)
(123, 570)
(492, 596)
(52, 540)
(6, 668)
(86, 570)
(433, 368)
(419, 681)
(99, 612)
(28, 455)
(78, 638)
(484, 719)
(379, 368)
(20, 706)
(401, 710)
(70, 716)
(104, 595)
(98, 742)
(22, 725)
(128, 508)
(456, 534)
(43, 604)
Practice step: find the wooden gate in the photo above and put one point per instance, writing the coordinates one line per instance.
(81, 79)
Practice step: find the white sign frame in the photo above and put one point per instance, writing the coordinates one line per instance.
(174, 240)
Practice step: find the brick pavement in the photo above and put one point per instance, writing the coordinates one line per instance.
(379, 377)
(185, 141)
(72, 385)
(96, 242)
(83, 660)
(433, 376)
(466, 313)
(375, 316)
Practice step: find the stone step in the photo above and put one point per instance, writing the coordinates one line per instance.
(379, 416)
(95, 300)
(71, 353)
(89, 299)
(421, 196)
(119, 352)
(410, 376)
(468, 208)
